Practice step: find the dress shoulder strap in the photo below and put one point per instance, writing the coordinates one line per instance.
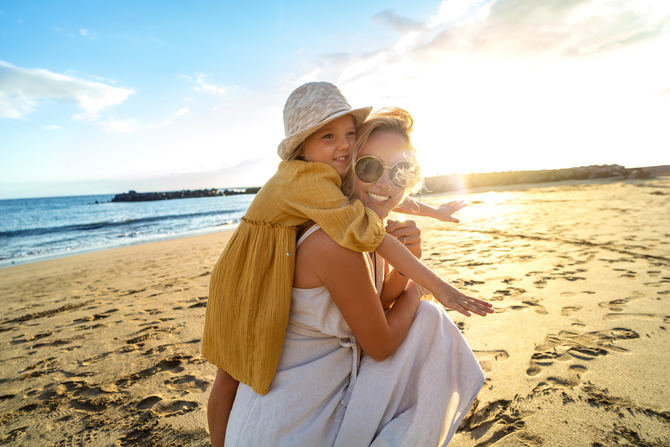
(307, 233)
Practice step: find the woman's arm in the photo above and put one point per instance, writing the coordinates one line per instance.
(346, 275)
(442, 212)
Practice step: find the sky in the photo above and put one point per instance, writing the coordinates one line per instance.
(103, 97)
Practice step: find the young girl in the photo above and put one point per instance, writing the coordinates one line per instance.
(250, 286)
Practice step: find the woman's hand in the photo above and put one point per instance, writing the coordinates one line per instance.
(406, 232)
(444, 212)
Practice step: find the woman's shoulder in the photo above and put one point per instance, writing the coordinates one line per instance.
(321, 244)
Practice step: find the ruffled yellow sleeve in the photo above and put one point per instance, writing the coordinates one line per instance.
(312, 191)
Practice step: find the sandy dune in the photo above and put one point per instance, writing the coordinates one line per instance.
(103, 348)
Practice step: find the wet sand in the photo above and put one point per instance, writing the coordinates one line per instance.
(104, 348)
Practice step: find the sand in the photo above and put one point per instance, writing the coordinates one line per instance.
(103, 348)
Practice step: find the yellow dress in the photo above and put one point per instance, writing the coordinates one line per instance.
(250, 288)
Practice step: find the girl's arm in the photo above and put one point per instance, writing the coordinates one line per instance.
(404, 261)
(442, 212)
(345, 273)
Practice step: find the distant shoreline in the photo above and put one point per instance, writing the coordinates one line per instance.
(447, 183)
(134, 196)
(467, 182)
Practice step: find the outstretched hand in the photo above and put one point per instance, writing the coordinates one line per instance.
(444, 211)
(453, 298)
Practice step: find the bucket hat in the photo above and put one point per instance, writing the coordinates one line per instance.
(311, 106)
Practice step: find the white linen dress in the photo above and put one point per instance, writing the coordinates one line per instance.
(325, 393)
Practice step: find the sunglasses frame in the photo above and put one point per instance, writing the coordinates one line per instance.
(381, 163)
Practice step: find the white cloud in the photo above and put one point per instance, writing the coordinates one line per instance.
(51, 127)
(503, 78)
(201, 85)
(553, 28)
(181, 112)
(23, 89)
(398, 23)
(120, 126)
(456, 10)
(85, 32)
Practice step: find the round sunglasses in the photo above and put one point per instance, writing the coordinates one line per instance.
(369, 169)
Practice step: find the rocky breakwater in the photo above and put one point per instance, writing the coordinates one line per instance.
(134, 196)
(444, 183)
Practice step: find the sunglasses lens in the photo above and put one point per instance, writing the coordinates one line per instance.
(369, 169)
(401, 172)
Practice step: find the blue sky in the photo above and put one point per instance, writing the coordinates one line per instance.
(101, 97)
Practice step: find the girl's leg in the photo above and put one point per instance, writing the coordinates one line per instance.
(220, 403)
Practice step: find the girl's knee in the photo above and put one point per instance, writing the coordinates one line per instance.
(430, 310)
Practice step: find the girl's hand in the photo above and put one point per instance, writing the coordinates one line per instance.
(444, 212)
(406, 232)
(453, 298)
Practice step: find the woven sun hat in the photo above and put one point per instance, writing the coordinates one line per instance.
(311, 106)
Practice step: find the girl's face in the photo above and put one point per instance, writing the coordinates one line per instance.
(382, 195)
(332, 144)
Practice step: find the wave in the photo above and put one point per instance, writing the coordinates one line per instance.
(111, 224)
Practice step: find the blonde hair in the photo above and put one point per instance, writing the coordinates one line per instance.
(296, 154)
(390, 119)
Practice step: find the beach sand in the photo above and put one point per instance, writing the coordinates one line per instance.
(104, 348)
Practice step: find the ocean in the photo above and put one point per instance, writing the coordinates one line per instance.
(41, 228)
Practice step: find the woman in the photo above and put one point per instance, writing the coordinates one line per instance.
(417, 376)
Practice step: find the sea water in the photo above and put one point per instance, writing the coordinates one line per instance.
(35, 229)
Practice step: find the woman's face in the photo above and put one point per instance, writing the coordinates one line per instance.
(332, 144)
(382, 195)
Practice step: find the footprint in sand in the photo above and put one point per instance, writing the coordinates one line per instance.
(146, 334)
(200, 301)
(569, 310)
(175, 407)
(148, 402)
(173, 364)
(495, 421)
(540, 283)
(616, 305)
(567, 346)
(186, 383)
(626, 315)
(83, 438)
(486, 358)
(533, 304)
(509, 292)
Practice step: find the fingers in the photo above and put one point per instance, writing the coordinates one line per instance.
(403, 230)
(394, 225)
(466, 304)
(457, 205)
(447, 209)
(477, 306)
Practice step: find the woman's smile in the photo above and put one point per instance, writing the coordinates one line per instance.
(378, 197)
